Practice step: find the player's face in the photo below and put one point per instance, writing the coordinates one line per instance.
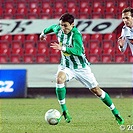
(127, 19)
(66, 26)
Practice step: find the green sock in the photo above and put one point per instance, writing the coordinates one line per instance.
(61, 94)
(63, 107)
(115, 111)
(107, 100)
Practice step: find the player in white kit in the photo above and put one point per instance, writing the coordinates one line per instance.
(126, 38)
(74, 64)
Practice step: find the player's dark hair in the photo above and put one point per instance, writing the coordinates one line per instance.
(67, 18)
(128, 9)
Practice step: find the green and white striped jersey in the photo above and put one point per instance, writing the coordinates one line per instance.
(74, 56)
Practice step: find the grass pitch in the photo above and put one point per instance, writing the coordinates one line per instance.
(89, 115)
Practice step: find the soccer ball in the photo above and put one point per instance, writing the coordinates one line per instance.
(51, 116)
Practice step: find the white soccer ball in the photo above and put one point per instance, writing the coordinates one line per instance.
(51, 116)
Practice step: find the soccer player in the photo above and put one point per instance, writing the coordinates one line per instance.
(126, 37)
(74, 64)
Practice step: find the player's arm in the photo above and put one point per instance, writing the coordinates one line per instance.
(122, 44)
(47, 31)
(122, 40)
(75, 50)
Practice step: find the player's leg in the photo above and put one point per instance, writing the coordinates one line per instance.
(107, 100)
(86, 77)
(61, 94)
(61, 90)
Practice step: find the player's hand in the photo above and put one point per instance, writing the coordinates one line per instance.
(121, 41)
(42, 37)
(56, 46)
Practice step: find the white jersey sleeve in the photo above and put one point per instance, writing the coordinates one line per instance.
(126, 33)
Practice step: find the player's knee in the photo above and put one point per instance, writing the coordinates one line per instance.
(60, 80)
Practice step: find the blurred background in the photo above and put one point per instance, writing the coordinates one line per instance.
(27, 51)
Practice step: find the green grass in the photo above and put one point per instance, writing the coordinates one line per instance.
(89, 115)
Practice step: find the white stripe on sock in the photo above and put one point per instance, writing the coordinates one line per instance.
(112, 106)
(103, 94)
(60, 85)
(61, 101)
